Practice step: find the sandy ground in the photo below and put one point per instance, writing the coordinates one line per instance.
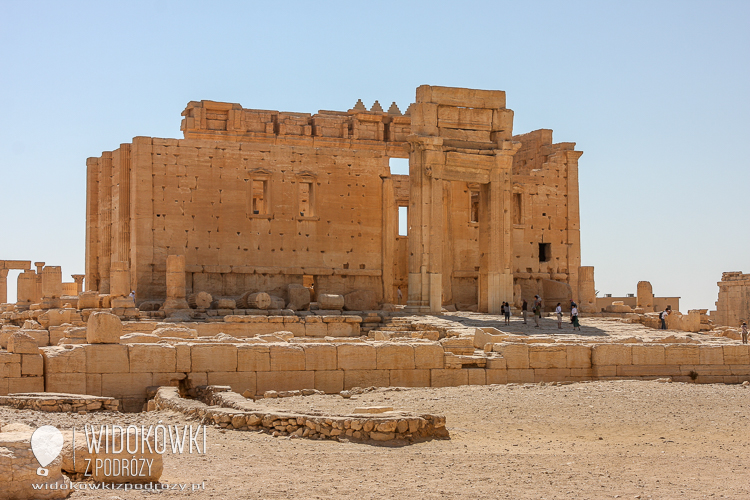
(624, 439)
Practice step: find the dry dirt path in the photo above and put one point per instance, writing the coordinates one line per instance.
(622, 439)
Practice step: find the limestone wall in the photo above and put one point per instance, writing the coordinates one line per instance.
(733, 305)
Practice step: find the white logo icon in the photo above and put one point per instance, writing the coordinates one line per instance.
(46, 444)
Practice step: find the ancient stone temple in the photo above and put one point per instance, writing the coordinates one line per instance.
(256, 200)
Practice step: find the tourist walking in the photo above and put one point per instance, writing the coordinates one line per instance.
(537, 310)
(743, 331)
(507, 313)
(524, 310)
(663, 317)
(574, 317)
(400, 295)
(558, 311)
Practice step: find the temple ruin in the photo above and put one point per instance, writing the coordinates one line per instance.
(257, 200)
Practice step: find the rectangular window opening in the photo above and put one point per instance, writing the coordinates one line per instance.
(545, 252)
(399, 166)
(403, 221)
(474, 206)
(305, 199)
(259, 197)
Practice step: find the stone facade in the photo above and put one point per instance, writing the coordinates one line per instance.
(733, 305)
(257, 200)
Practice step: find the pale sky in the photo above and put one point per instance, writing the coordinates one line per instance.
(655, 93)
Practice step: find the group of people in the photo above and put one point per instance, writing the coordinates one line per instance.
(536, 309)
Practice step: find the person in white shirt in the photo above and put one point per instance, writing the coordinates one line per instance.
(558, 311)
(574, 317)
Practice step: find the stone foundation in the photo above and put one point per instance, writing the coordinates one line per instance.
(230, 410)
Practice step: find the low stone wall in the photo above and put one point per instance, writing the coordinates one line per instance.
(229, 410)
(51, 402)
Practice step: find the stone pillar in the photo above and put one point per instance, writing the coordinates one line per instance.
(78, 278)
(175, 284)
(389, 234)
(574, 224)
(105, 220)
(119, 285)
(92, 224)
(26, 288)
(38, 291)
(3, 286)
(586, 289)
(121, 212)
(119, 279)
(645, 296)
(498, 284)
(426, 161)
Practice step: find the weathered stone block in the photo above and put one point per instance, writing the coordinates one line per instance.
(107, 358)
(25, 384)
(238, 381)
(72, 383)
(62, 360)
(298, 298)
(360, 300)
(331, 302)
(551, 374)
(316, 329)
(448, 378)
(329, 381)
(22, 343)
(648, 354)
(410, 378)
(366, 378)
(152, 358)
(93, 384)
(284, 381)
(356, 357)
(611, 355)
(659, 370)
(496, 376)
(32, 364)
(213, 358)
(497, 363)
(477, 376)
(168, 379)
(103, 328)
(394, 356)
(120, 385)
(520, 375)
(711, 355)
(676, 354)
(182, 358)
(287, 357)
(547, 356)
(578, 356)
(516, 355)
(253, 358)
(343, 329)
(736, 355)
(320, 357)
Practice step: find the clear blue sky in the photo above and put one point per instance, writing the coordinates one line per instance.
(656, 94)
